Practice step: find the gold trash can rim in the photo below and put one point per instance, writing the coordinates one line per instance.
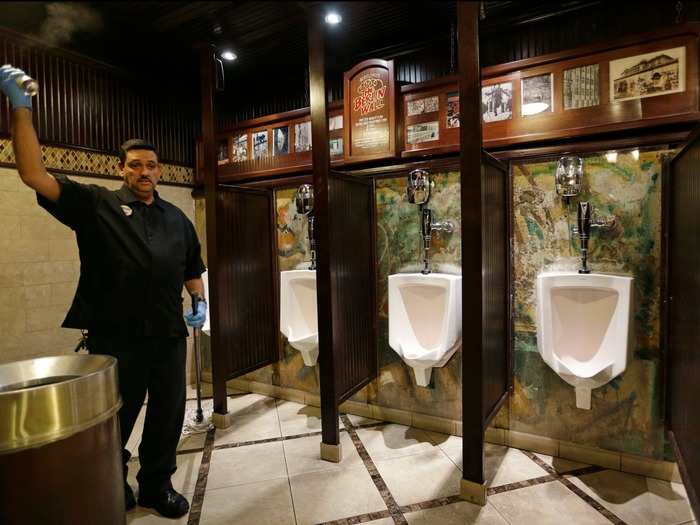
(47, 399)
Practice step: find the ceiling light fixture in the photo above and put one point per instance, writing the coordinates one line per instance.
(611, 156)
(635, 154)
(333, 19)
(229, 55)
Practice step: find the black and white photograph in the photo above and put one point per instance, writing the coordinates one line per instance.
(423, 105)
(536, 93)
(280, 141)
(240, 148)
(497, 102)
(581, 87)
(222, 152)
(649, 75)
(260, 148)
(335, 122)
(302, 136)
(425, 132)
(336, 147)
(453, 110)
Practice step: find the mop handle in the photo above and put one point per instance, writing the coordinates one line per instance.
(197, 358)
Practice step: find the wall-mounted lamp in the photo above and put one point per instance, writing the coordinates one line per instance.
(611, 156)
(229, 55)
(333, 19)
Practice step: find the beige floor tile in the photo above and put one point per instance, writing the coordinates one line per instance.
(392, 440)
(133, 444)
(460, 513)
(185, 477)
(253, 427)
(438, 475)
(547, 504)
(249, 464)
(450, 445)
(296, 418)
(263, 503)
(335, 494)
(636, 499)
(361, 420)
(382, 521)
(561, 465)
(245, 405)
(192, 441)
(143, 516)
(503, 465)
(304, 455)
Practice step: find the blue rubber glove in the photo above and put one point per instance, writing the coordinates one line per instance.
(18, 97)
(196, 320)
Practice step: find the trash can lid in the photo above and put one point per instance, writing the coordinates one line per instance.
(51, 398)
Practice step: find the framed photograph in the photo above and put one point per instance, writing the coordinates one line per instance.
(335, 122)
(648, 75)
(453, 110)
(496, 102)
(536, 95)
(240, 148)
(302, 136)
(260, 148)
(423, 105)
(581, 87)
(425, 132)
(280, 141)
(222, 152)
(336, 147)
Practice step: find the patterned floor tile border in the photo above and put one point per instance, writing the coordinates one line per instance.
(201, 486)
(394, 509)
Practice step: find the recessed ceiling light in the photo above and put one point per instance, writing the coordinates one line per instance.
(229, 55)
(333, 18)
(611, 156)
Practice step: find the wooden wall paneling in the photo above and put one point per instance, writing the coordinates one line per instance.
(683, 313)
(353, 282)
(473, 487)
(330, 436)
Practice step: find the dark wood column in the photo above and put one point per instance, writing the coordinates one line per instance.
(321, 167)
(219, 365)
(473, 488)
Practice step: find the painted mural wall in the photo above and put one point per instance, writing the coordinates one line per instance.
(625, 414)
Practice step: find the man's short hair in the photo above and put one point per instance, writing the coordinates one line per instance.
(134, 144)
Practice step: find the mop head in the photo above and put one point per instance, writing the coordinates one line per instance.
(191, 425)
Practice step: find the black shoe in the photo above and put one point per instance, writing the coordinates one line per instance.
(168, 503)
(129, 498)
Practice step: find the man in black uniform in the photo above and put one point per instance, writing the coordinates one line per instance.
(136, 252)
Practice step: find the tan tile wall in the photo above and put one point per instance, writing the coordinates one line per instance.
(39, 269)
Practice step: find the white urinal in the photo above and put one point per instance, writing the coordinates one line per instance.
(298, 315)
(425, 320)
(583, 323)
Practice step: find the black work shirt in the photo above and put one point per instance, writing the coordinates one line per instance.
(134, 259)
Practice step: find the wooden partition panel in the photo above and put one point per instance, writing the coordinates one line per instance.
(683, 312)
(246, 281)
(353, 282)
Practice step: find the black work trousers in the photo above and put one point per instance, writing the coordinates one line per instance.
(155, 365)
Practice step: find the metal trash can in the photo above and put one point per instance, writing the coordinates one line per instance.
(60, 448)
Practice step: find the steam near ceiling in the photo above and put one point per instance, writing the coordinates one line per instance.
(64, 19)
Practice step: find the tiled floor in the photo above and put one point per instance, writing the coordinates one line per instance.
(266, 469)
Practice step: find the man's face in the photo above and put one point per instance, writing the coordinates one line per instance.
(141, 171)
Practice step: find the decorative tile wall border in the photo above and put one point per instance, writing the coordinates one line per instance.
(88, 163)
(664, 470)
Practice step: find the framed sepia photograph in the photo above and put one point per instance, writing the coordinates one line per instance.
(581, 87)
(222, 152)
(424, 132)
(260, 148)
(536, 95)
(648, 75)
(422, 105)
(496, 102)
(240, 148)
(280, 141)
(302, 136)
(336, 147)
(452, 110)
(335, 122)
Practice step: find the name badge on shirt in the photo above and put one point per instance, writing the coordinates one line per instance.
(127, 211)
